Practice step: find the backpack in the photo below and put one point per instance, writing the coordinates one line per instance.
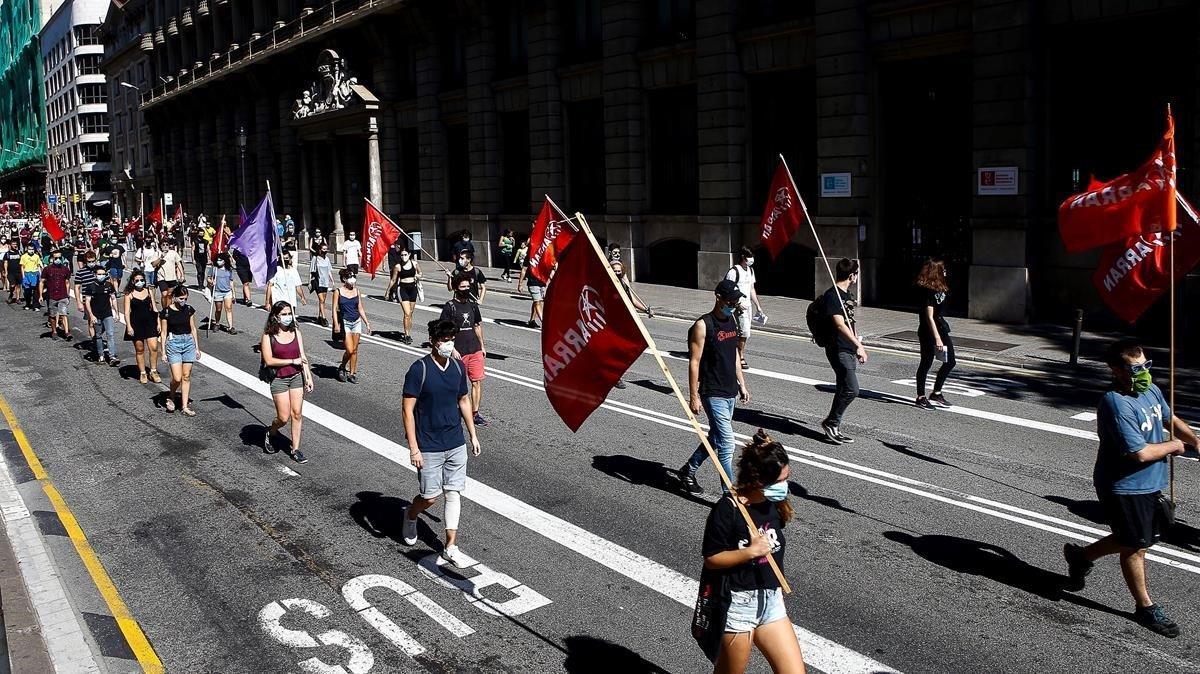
(820, 324)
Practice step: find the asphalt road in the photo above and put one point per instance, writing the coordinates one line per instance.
(933, 544)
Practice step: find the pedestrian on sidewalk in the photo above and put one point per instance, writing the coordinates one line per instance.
(1130, 476)
(507, 244)
(537, 292)
(436, 405)
(757, 615)
(933, 332)
(350, 318)
(181, 345)
(742, 274)
(100, 304)
(141, 326)
(463, 243)
(55, 286)
(466, 269)
(282, 348)
(351, 249)
(315, 242)
(220, 280)
(406, 278)
(715, 381)
(519, 257)
(320, 271)
(844, 350)
(468, 343)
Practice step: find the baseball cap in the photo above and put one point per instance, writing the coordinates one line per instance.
(728, 291)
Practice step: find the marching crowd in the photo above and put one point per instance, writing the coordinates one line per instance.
(128, 284)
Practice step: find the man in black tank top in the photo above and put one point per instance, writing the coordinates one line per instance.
(715, 380)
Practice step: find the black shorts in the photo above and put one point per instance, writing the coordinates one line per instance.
(163, 285)
(352, 268)
(407, 292)
(244, 274)
(1137, 520)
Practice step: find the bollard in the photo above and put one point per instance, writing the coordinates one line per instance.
(1075, 337)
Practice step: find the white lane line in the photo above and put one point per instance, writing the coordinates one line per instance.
(819, 652)
(1085, 416)
(62, 632)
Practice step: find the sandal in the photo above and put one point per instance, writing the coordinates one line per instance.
(170, 404)
(187, 411)
(142, 378)
(154, 377)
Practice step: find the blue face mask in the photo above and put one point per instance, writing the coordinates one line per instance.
(727, 311)
(776, 492)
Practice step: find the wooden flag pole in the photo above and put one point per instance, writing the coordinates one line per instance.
(449, 274)
(1171, 358)
(712, 454)
(565, 219)
(820, 248)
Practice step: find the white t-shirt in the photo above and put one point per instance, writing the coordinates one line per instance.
(284, 284)
(352, 249)
(744, 278)
(147, 256)
(170, 265)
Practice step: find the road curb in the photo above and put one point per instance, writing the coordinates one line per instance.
(26, 650)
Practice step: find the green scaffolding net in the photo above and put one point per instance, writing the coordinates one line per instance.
(22, 92)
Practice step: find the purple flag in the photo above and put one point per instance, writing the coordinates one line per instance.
(257, 240)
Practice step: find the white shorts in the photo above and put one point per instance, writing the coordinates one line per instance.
(749, 609)
(743, 320)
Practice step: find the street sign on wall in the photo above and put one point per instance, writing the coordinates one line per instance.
(835, 185)
(168, 199)
(52, 199)
(997, 180)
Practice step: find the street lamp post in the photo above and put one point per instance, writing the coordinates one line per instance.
(241, 143)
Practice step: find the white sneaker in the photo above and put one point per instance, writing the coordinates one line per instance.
(452, 554)
(409, 532)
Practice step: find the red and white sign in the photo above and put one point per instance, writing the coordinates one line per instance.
(997, 181)
(783, 213)
(589, 337)
(379, 233)
(548, 238)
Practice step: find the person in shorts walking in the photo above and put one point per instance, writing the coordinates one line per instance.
(463, 311)
(282, 348)
(220, 280)
(55, 285)
(436, 405)
(1130, 476)
(537, 291)
(181, 345)
(742, 274)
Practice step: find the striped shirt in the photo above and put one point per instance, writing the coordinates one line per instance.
(84, 278)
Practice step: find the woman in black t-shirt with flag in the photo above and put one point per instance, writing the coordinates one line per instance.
(756, 614)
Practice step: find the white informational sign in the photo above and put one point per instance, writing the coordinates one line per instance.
(835, 185)
(168, 199)
(997, 180)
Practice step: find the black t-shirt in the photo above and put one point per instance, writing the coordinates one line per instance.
(478, 278)
(719, 357)
(726, 530)
(100, 293)
(466, 316)
(937, 300)
(179, 321)
(832, 307)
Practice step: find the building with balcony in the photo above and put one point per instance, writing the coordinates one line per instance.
(127, 68)
(22, 102)
(663, 122)
(78, 162)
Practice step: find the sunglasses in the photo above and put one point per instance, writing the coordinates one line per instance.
(1141, 367)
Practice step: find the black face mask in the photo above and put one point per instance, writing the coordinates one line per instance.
(462, 294)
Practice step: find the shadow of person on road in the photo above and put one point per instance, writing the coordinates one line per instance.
(645, 473)
(653, 386)
(1181, 533)
(776, 423)
(903, 449)
(380, 515)
(323, 371)
(1089, 510)
(591, 655)
(799, 491)
(977, 558)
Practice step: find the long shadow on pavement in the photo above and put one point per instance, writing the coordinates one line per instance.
(1180, 534)
(776, 423)
(588, 655)
(646, 473)
(966, 556)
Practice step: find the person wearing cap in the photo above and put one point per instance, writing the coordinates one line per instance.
(715, 380)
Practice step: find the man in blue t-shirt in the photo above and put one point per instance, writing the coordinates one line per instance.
(436, 404)
(1130, 475)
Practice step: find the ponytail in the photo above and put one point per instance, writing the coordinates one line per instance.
(758, 466)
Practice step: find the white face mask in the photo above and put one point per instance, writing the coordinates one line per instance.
(351, 281)
(749, 262)
(445, 349)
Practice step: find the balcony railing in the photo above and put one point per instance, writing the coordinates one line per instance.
(311, 22)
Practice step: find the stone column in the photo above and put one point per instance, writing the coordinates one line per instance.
(374, 173)
(721, 126)
(483, 133)
(335, 167)
(547, 175)
(843, 134)
(1005, 66)
(306, 213)
(624, 135)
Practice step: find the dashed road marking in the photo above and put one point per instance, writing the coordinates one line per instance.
(1084, 416)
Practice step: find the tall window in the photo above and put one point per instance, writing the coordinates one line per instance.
(511, 38)
(581, 30)
(93, 152)
(89, 64)
(514, 139)
(782, 121)
(93, 122)
(86, 35)
(672, 139)
(586, 184)
(453, 58)
(90, 94)
(458, 170)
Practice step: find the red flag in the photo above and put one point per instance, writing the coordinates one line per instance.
(1132, 274)
(783, 213)
(379, 233)
(178, 213)
(547, 240)
(220, 242)
(50, 224)
(1128, 206)
(589, 336)
(155, 215)
(133, 226)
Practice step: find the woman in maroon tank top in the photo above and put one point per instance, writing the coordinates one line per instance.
(283, 351)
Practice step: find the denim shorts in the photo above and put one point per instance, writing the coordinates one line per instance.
(60, 307)
(353, 327)
(443, 471)
(538, 293)
(222, 295)
(181, 349)
(749, 609)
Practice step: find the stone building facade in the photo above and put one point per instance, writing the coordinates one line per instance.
(663, 122)
(128, 42)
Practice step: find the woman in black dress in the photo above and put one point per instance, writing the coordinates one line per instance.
(141, 326)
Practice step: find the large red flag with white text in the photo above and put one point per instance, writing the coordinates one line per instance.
(1132, 274)
(783, 213)
(589, 336)
(547, 240)
(50, 224)
(379, 233)
(1135, 204)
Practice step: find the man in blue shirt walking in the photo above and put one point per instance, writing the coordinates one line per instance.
(1130, 476)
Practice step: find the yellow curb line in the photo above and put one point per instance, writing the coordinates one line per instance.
(134, 636)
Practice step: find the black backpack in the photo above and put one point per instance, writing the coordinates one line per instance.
(820, 324)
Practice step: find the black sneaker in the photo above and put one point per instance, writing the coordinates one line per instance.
(323, 322)
(831, 433)
(532, 324)
(620, 384)
(1153, 618)
(298, 456)
(115, 362)
(846, 439)
(353, 379)
(924, 403)
(341, 375)
(232, 331)
(480, 421)
(1078, 567)
(688, 479)
(939, 399)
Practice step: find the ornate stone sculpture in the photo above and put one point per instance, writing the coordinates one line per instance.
(330, 91)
